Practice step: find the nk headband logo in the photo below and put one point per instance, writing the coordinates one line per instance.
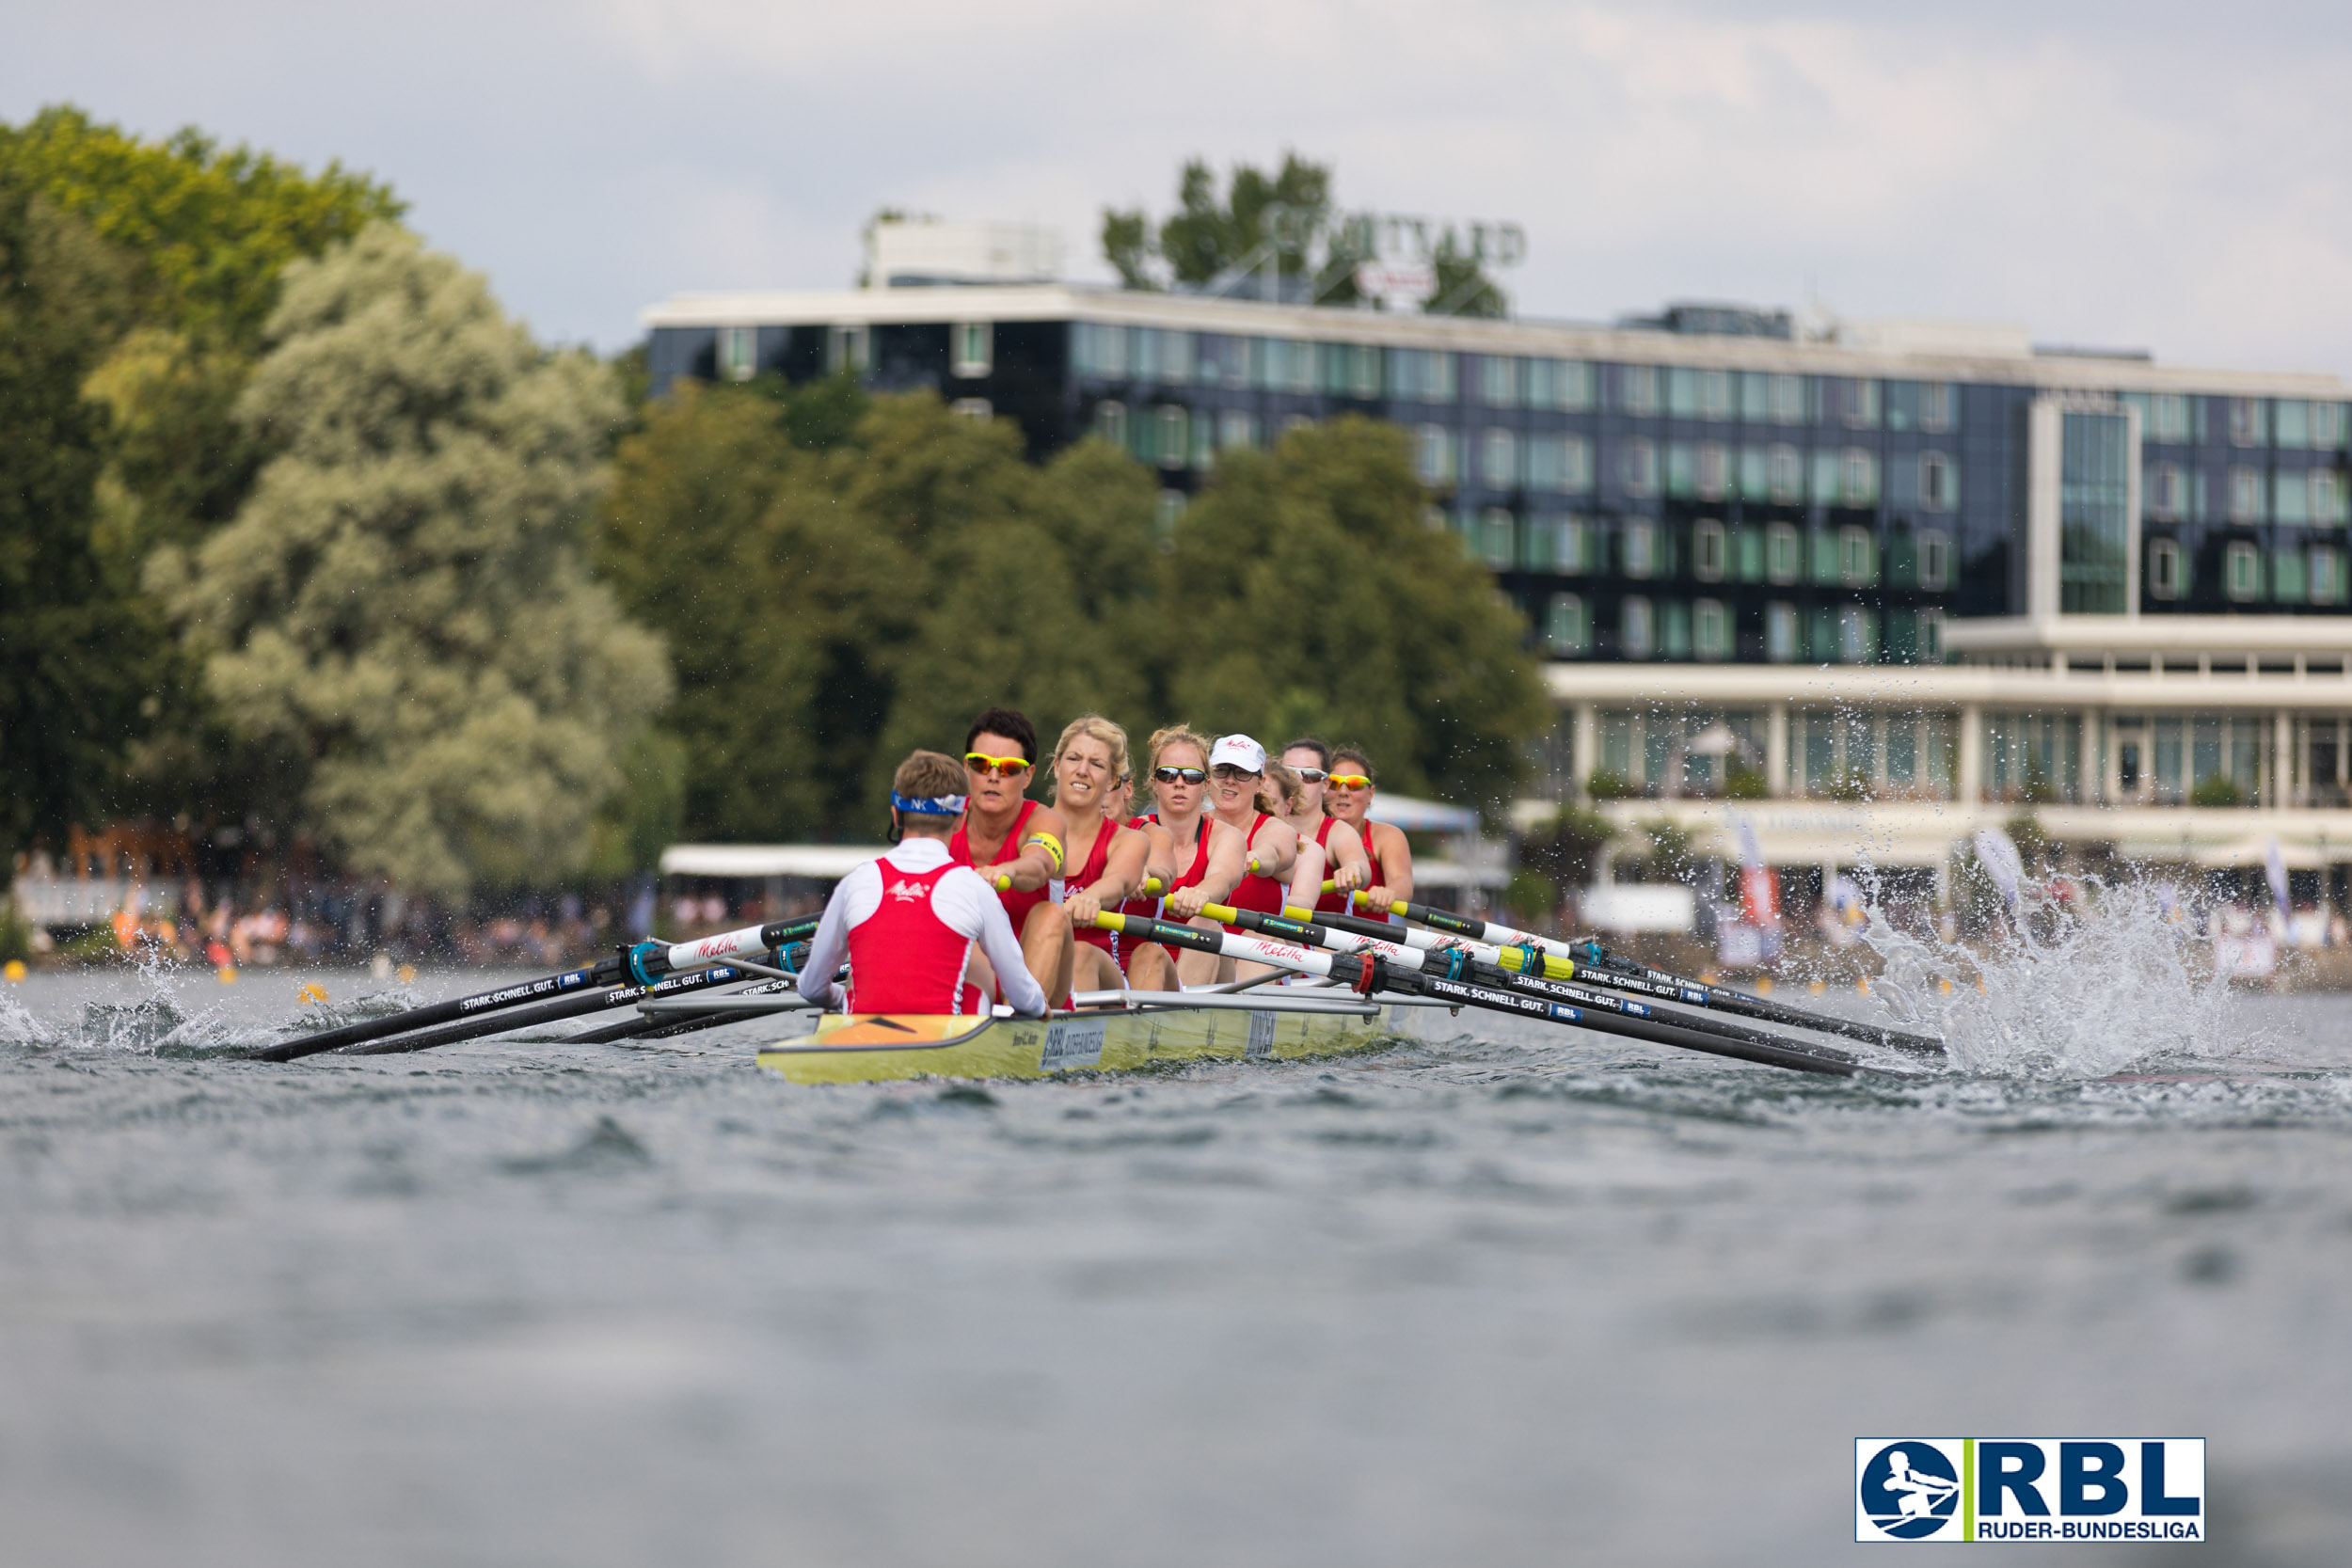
(2005, 1489)
(930, 805)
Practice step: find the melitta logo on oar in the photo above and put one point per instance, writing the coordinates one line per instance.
(2005, 1489)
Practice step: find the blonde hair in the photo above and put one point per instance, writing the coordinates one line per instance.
(1102, 729)
(1278, 794)
(1174, 735)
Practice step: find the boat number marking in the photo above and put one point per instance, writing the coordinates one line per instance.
(1072, 1043)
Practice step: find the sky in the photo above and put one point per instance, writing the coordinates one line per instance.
(2170, 177)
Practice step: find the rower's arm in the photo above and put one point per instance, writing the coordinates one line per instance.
(1229, 861)
(1123, 871)
(969, 909)
(1350, 867)
(1159, 859)
(1306, 875)
(1396, 863)
(831, 945)
(1038, 858)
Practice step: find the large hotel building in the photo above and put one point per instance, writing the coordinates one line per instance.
(1882, 584)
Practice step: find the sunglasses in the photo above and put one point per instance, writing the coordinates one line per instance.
(1228, 771)
(1179, 775)
(1351, 781)
(1001, 767)
(1310, 775)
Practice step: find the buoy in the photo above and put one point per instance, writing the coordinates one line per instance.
(14, 971)
(1763, 984)
(226, 974)
(1943, 984)
(407, 974)
(313, 993)
(1818, 986)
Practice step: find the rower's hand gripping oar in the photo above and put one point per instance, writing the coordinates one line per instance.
(641, 964)
(1369, 972)
(1597, 964)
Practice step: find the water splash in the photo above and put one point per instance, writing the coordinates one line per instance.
(2110, 978)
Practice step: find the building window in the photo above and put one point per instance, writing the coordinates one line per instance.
(1175, 440)
(1110, 423)
(1634, 629)
(2327, 487)
(1711, 629)
(2167, 418)
(1707, 550)
(2287, 583)
(1783, 553)
(1499, 381)
(1302, 367)
(1939, 407)
(978, 410)
(1433, 455)
(1787, 473)
(1714, 476)
(1167, 511)
(1714, 394)
(1640, 542)
(1787, 395)
(1861, 404)
(1858, 635)
(1499, 454)
(976, 349)
(2328, 426)
(1939, 482)
(1861, 473)
(1935, 560)
(2167, 492)
(2327, 574)
(1857, 558)
(2246, 491)
(1780, 633)
(1637, 467)
(1932, 646)
(2290, 499)
(1636, 389)
(2291, 422)
(2164, 569)
(2245, 421)
(1567, 630)
(1494, 538)
(845, 350)
(739, 352)
(2245, 575)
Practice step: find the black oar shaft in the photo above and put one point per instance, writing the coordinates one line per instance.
(548, 1012)
(570, 981)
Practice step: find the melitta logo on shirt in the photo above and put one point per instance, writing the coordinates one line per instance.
(909, 891)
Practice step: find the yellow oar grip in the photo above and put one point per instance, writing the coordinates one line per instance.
(1153, 884)
(1110, 920)
(1004, 881)
(1225, 915)
(1330, 886)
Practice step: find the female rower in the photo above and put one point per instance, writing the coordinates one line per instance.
(1349, 799)
(1248, 795)
(1207, 863)
(1107, 859)
(1016, 843)
(1342, 846)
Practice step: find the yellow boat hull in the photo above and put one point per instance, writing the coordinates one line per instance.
(871, 1047)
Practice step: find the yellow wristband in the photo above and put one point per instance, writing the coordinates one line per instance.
(1051, 843)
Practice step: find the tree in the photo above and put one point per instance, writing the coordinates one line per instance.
(1305, 592)
(76, 647)
(401, 608)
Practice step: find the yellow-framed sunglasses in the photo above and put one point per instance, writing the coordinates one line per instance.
(1002, 767)
(1350, 781)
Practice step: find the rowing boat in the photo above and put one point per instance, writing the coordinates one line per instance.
(1129, 1031)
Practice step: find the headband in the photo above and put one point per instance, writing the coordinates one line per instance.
(934, 806)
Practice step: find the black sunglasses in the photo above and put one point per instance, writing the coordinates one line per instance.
(1179, 775)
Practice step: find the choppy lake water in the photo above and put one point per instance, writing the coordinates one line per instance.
(1514, 1296)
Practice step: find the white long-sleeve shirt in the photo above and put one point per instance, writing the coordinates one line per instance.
(963, 902)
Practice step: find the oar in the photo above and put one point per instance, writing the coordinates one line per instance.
(1598, 965)
(548, 1012)
(1368, 972)
(642, 965)
(1503, 968)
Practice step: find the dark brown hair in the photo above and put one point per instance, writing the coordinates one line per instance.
(1007, 722)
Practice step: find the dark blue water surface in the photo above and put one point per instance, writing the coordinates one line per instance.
(1514, 1296)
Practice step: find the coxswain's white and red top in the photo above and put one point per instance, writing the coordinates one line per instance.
(907, 923)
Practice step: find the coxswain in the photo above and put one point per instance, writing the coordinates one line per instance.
(1106, 858)
(1207, 859)
(1348, 796)
(921, 933)
(1016, 843)
(1343, 848)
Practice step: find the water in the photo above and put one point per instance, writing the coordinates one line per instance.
(1512, 1296)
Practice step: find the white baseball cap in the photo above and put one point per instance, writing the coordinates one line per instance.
(1238, 750)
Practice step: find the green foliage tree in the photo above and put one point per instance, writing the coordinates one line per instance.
(75, 645)
(402, 608)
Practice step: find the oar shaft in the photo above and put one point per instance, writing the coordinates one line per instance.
(548, 1012)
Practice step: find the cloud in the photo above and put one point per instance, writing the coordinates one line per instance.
(2106, 175)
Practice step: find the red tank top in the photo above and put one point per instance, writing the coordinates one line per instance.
(1098, 861)
(904, 958)
(1330, 903)
(1261, 893)
(1017, 904)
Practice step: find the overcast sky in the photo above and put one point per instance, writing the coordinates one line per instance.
(2107, 174)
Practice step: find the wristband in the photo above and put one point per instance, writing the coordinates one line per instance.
(1049, 843)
